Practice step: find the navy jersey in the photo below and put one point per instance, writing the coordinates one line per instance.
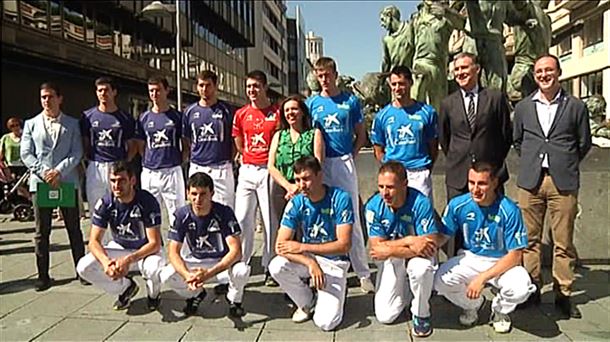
(209, 130)
(107, 133)
(162, 133)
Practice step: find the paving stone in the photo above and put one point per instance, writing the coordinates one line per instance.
(23, 329)
(313, 334)
(596, 335)
(54, 304)
(150, 332)
(81, 329)
(199, 333)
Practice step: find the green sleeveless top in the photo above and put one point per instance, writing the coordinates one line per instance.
(10, 148)
(288, 153)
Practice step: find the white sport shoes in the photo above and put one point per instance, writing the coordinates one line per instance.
(302, 315)
(366, 285)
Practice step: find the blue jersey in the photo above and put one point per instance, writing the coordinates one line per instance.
(318, 221)
(209, 130)
(205, 236)
(415, 217)
(128, 221)
(488, 231)
(107, 133)
(336, 117)
(405, 132)
(162, 133)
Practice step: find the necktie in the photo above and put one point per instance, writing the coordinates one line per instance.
(471, 114)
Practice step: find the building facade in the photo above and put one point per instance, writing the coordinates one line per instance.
(73, 42)
(314, 47)
(298, 65)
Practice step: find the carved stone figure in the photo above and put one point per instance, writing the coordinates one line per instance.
(398, 45)
(312, 83)
(600, 127)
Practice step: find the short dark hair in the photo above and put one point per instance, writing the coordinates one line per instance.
(105, 80)
(258, 75)
(159, 80)
(51, 86)
(401, 70)
(200, 180)
(122, 166)
(306, 118)
(208, 75)
(307, 162)
(484, 166)
(472, 56)
(394, 167)
(548, 55)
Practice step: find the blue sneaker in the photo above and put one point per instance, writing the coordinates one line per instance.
(421, 326)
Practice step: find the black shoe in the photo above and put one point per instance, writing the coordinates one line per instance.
(192, 304)
(533, 300)
(221, 289)
(236, 310)
(269, 281)
(567, 307)
(83, 281)
(153, 303)
(43, 284)
(124, 299)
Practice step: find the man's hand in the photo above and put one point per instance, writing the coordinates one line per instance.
(111, 270)
(317, 276)
(52, 177)
(197, 277)
(423, 246)
(289, 247)
(475, 287)
(123, 264)
(292, 190)
(380, 251)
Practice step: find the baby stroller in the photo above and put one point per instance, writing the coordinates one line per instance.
(16, 198)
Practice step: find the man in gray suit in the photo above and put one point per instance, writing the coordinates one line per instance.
(51, 148)
(552, 135)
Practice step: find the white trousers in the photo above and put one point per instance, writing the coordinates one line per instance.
(167, 185)
(391, 289)
(421, 179)
(236, 276)
(329, 306)
(92, 271)
(340, 172)
(253, 190)
(453, 277)
(97, 182)
(224, 182)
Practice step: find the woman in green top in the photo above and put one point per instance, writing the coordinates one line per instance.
(295, 139)
(10, 145)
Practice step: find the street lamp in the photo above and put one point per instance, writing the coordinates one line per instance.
(159, 9)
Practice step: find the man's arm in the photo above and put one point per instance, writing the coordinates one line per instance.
(517, 131)
(444, 129)
(318, 145)
(74, 156)
(583, 132)
(379, 152)
(284, 237)
(186, 149)
(151, 247)
(510, 260)
(433, 149)
(140, 146)
(233, 256)
(360, 141)
(380, 249)
(239, 144)
(132, 148)
(505, 124)
(98, 251)
(175, 259)
(27, 151)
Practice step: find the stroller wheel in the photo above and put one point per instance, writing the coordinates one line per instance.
(23, 212)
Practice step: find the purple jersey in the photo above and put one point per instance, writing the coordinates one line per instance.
(205, 236)
(162, 132)
(128, 221)
(209, 130)
(108, 133)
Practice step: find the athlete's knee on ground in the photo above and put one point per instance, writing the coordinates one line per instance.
(417, 268)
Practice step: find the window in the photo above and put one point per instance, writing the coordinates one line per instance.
(593, 32)
(567, 85)
(565, 46)
(591, 84)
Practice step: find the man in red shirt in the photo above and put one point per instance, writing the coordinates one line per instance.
(253, 127)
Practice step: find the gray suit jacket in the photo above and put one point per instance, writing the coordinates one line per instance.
(567, 143)
(39, 153)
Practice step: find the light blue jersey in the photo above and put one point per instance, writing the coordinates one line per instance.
(415, 217)
(488, 231)
(318, 221)
(336, 117)
(405, 132)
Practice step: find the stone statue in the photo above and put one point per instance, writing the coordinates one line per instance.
(432, 27)
(600, 127)
(485, 38)
(532, 32)
(312, 83)
(371, 89)
(398, 45)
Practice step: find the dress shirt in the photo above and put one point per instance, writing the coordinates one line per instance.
(52, 126)
(475, 98)
(546, 114)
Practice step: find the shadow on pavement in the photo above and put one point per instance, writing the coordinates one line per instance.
(19, 285)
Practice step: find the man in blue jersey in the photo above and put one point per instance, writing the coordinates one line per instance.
(205, 247)
(134, 218)
(339, 116)
(406, 131)
(323, 217)
(402, 237)
(108, 134)
(160, 131)
(206, 129)
(494, 239)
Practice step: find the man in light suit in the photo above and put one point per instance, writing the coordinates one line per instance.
(51, 148)
(552, 136)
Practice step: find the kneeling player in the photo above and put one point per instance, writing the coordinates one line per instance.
(212, 252)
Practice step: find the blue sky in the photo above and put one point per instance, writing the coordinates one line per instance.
(351, 30)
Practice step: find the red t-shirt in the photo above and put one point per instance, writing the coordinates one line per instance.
(256, 127)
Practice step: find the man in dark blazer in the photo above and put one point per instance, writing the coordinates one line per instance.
(552, 136)
(51, 148)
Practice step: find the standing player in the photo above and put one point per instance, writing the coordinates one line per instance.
(108, 134)
(403, 235)
(213, 249)
(323, 217)
(494, 239)
(134, 218)
(206, 129)
(406, 131)
(337, 114)
(160, 130)
(253, 128)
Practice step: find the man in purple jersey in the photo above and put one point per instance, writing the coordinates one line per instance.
(159, 130)
(206, 129)
(108, 134)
